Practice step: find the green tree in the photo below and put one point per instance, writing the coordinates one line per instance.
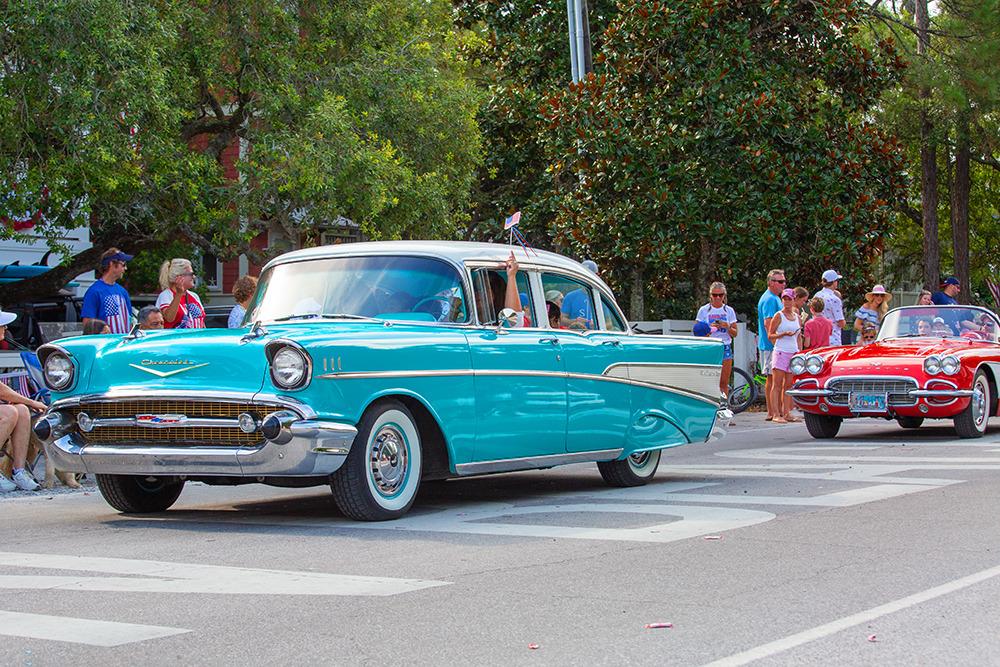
(719, 139)
(118, 114)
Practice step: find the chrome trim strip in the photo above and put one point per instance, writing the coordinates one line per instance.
(355, 375)
(721, 425)
(809, 393)
(187, 423)
(532, 462)
(127, 393)
(941, 393)
(166, 374)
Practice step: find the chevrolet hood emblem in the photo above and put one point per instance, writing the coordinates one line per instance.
(164, 374)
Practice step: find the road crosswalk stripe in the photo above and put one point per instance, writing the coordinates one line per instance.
(80, 630)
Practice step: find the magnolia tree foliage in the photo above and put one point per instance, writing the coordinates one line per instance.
(117, 113)
(721, 138)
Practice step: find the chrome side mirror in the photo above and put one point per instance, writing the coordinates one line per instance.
(506, 318)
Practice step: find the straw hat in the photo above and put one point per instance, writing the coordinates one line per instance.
(879, 290)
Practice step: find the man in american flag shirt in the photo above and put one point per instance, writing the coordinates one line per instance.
(106, 299)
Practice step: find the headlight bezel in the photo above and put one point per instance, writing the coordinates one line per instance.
(950, 361)
(932, 365)
(283, 349)
(56, 355)
(814, 364)
(797, 364)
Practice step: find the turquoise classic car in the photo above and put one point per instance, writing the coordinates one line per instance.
(373, 366)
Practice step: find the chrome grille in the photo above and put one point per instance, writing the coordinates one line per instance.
(180, 435)
(897, 389)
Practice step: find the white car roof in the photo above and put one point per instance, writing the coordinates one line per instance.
(457, 252)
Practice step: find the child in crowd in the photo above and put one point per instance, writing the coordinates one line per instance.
(818, 329)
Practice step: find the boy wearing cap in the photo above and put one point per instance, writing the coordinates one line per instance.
(106, 299)
(833, 305)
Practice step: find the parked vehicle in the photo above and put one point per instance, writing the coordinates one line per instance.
(371, 367)
(928, 362)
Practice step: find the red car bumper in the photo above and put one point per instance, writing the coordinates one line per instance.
(936, 399)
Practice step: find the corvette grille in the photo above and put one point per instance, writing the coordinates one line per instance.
(897, 389)
(178, 435)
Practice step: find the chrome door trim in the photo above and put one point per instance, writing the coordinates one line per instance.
(533, 462)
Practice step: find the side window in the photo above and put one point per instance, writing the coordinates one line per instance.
(611, 320)
(490, 287)
(569, 303)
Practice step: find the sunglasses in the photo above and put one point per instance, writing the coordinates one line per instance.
(780, 282)
(718, 295)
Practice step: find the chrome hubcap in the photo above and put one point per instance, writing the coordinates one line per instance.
(979, 408)
(388, 460)
(640, 459)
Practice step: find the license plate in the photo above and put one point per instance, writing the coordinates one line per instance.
(868, 402)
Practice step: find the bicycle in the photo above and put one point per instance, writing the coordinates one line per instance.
(744, 388)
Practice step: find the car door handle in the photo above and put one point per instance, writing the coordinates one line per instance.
(615, 343)
(550, 341)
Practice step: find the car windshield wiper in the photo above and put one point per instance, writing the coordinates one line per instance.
(332, 316)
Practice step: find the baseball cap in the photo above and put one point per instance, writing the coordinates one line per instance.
(590, 265)
(701, 329)
(6, 318)
(788, 294)
(117, 257)
(951, 280)
(830, 275)
(553, 295)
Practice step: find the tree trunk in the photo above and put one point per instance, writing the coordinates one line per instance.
(637, 304)
(960, 188)
(928, 163)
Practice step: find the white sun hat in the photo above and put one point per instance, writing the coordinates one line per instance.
(6, 318)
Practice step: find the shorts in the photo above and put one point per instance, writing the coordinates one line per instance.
(727, 351)
(779, 360)
(765, 361)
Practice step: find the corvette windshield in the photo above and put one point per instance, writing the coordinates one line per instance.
(940, 322)
(419, 289)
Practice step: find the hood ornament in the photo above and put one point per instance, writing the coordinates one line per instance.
(146, 363)
(256, 331)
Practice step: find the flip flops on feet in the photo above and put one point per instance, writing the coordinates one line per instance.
(780, 420)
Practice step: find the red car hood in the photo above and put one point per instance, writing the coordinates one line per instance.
(895, 352)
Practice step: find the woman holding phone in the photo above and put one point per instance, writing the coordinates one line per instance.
(722, 320)
(783, 331)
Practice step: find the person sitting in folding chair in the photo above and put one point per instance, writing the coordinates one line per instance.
(15, 424)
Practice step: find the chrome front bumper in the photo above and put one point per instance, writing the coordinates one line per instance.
(916, 393)
(721, 426)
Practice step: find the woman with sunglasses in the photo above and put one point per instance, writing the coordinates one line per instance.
(783, 331)
(875, 307)
(180, 306)
(722, 320)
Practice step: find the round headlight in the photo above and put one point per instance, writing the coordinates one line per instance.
(289, 368)
(950, 365)
(814, 364)
(797, 365)
(58, 371)
(932, 365)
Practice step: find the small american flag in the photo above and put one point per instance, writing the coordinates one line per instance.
(512, 220)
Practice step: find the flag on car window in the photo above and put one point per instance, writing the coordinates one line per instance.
(512, 220)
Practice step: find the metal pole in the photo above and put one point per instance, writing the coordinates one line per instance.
(571, 19)
(578, 20)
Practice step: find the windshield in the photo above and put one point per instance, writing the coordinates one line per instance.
(940, 322)
(419, 289)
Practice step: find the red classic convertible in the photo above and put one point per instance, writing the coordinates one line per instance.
(929, 362)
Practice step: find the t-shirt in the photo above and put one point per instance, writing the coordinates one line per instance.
(708, 314)
(818, 331)
(190, 312)
(235, 316)
(867, 317)
(942, 299)
(576, 304)
(833, 310)
(767, 307)
(109, 303)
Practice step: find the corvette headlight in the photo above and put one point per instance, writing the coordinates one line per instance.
(797, 365)
(932, 365)
(814, 364)
(290, 368)
(58, 371)
(950, 365)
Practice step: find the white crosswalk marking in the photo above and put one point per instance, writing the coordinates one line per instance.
(80, 630)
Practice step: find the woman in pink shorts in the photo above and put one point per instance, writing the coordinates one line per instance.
(784, 333)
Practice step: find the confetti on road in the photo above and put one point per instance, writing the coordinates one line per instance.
(534, 647)
(872, 638)
(656, 626)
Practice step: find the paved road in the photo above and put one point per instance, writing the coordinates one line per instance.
(767, 546)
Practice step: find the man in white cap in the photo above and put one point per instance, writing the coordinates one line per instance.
(15, 423)
(106, 299)
(833, 304)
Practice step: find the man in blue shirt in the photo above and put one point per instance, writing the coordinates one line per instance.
(767, 307)
(950, 288)
(106, 299)
(577, 311)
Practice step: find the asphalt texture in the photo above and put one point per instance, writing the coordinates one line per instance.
(768, 547)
